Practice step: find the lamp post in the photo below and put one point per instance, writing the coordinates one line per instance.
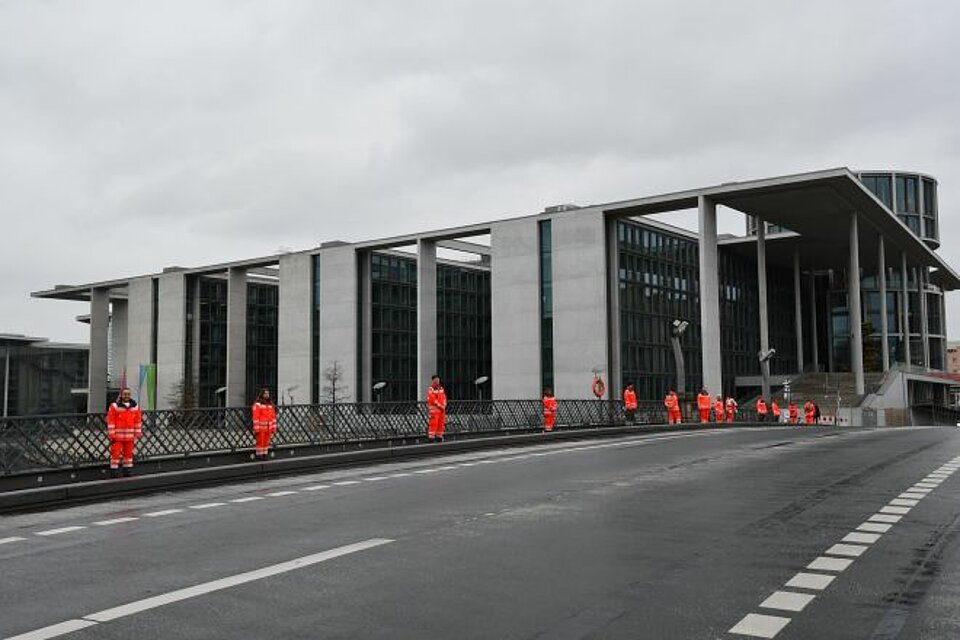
(378, 387)
(764, 357)
(677, 329)
(221, 394)
(478, 382)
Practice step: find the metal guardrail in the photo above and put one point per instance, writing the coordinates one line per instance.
(57, 442)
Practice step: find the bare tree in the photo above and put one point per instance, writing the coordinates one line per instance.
(335, 390)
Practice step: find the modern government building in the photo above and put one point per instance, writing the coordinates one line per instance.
(837, 272)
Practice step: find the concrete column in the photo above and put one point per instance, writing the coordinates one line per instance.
(882, 282)
(710, 297)
(295, 327)
(140, 334)
(99, 327)
(338, 320)
(515, 308)
(366, 326)
(924, 324)
(6, 382)
(171, 338)
(237, 339)
(426, 314)
(853, 305)
(613, 309)
(814, 344)
(904, 310)
(118, 344)
(798, 311)
(762, 304)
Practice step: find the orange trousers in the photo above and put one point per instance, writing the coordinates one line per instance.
(438, 423)
(263, 441)
(673, 416)
(704, 416)
(549, 419)
(122, 448)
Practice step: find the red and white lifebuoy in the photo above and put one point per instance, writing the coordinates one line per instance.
(599, 388)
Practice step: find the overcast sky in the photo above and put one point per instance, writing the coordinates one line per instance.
(139, 135)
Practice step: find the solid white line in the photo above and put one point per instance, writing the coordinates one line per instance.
(56, 532)
(467, 464)
(316, 487)
(146, 604)
(824, 563)
(861, 538)
(54, 630)
(875, 527)
(165, 512)
(280, 494)
(375, 479)
(885, 517)
(448, 468)
(11, 539)
(815, 581)
(246, 499)
(760, 626)
(105, 523)
(345, 483)
(903, 502)
(897, 510)
(787, 600)
(421, 471)
(400, 475)
(849, 550)
(208, 505)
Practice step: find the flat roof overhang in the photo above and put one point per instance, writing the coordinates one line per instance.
(816, 206)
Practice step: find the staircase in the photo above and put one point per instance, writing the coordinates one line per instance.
(823, 388)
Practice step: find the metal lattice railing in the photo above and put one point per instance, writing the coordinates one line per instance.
(42, 443)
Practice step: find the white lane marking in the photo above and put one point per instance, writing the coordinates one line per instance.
(11, 539)
(165, 512)
(448, 468)
(107, 523)
(815, 581)
(208, 505)
(861, 538)
(54, 630)
(824, 563)
(467, 464)
(903, 502)
(874, 527)
(849, 550)
(345, 483)
(421, 471)
(910, 495)
(897, 510)
(787, 600)
(146, 604)
(280, 494)
(246, 499)
(400, 475)
(760, 626)
(916, 489)
(56, 532)
(316, 487)
(928, 484)
(885, 517)
(492, 461)
(375, 479)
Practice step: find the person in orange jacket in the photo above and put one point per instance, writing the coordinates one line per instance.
(630, 403)
(809, 412)
(775, 410)
(761, 409)
(672, 403)
(731, 409)
(793, 412)
(264, 415)
(718, 409)
(437, 406)
(124, 427)
(703, 404)
(549, 409)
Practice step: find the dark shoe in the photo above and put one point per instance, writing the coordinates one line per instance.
(127, 472)
(114, 473)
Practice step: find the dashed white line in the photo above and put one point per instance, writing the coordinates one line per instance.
(11, 539)
(904, 502)
(897, 510)
(56, 532)
(861, 538)
(246, 499)
(814, 581)
(910, 495)
(401, 475)
(345, 483)
(208, 505)
(885, 517)
(787, 600)
(107, 523)
(375, 479)
(423, 471)
(280, 494)
(316, 487)
(760, 626)
(849, 550)
(165, 512)
(824, 563)
(875, 527)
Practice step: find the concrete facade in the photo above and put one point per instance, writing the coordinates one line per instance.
(709, 295)
(236, 394)
(139, 329)
(426, 314)
(294, 330)
(99, 327)
(118, 343)
(338, 316)
(579, 302)
(171, 335)
(515, 307)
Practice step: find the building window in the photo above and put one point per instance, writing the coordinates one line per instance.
(907, 196)
(879, 185)
(546, 303)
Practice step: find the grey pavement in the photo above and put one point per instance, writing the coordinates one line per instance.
(681, 535)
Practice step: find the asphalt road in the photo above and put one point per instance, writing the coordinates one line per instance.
(715, 534)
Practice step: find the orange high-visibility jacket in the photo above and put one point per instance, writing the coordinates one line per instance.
(549, 406)
(792, 410)
(775, 408)
(124, 421)
(436, 399)
(264, 417)
(703, 401)
(671, 401)
(761, 407)
(630, 399)
(718, 407)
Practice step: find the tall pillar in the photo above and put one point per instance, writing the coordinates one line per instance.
(295, 318)
(426, 314)
(118, 344)
(762, 304)
(99, 328)
(709, 297)
(814, 344)
(853, 305)
(237, 340)
(364, 272)
(905, 311)
(6, 382)
(798, 311)
(924, 323)
(882, 282)
(615, 374)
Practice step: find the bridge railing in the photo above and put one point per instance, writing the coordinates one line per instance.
(53, 442)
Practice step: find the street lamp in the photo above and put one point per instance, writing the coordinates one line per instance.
(221, 391)
(764, 357)
(479, 381)
(677, 329)
(378, 387)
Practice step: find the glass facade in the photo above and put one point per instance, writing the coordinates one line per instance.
(912, 197)
(262, 311)
(545, 244)
(42, 377)
(394, 325)
(212, 319)
(464, 344)
(315, 331)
